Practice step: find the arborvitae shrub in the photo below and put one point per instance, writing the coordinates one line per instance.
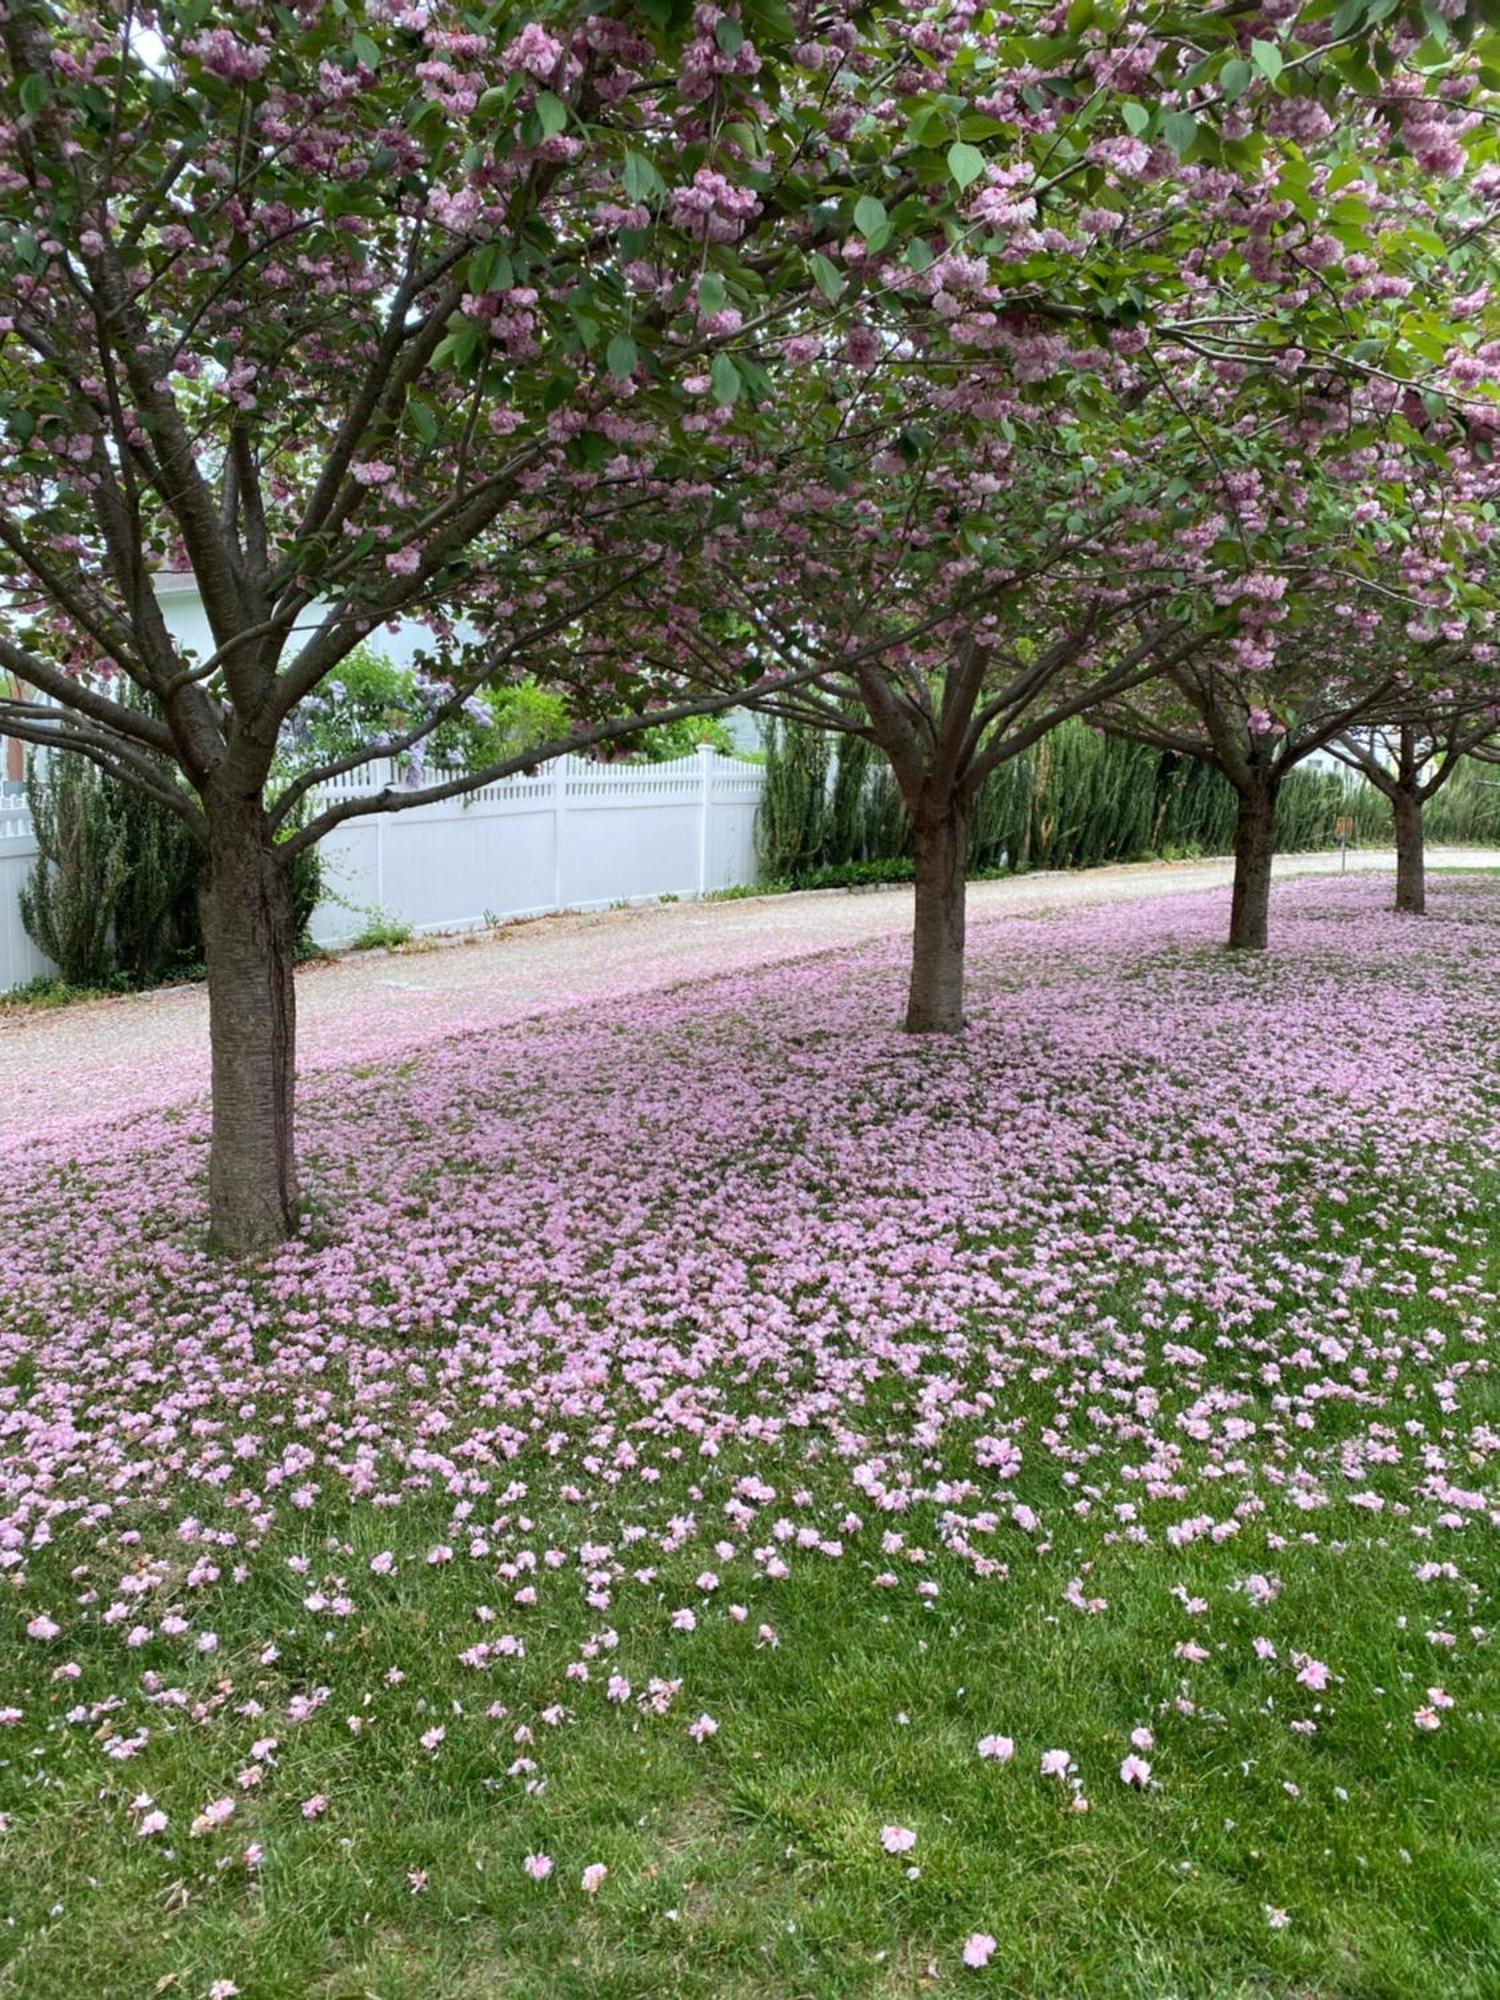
(793, 813)
(67, 904)
(113, 895)
(1075, 800)
(156, 906)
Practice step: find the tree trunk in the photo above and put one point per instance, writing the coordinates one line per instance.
(1254, 845)
(1411, 872)
(247, 936)
(935, 1003)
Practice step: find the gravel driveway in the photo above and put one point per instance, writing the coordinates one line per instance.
(63, 1068)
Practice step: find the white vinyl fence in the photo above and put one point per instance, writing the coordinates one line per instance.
(577, 836)
(19, 958)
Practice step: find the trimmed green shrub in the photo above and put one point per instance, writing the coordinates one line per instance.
(112, 898)
(1075, 800)
(67, 905)
(791, 820)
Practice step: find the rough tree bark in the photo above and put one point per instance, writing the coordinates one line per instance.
(247, 936)
(1254, 846)
(935, 1001)
(1411, 871)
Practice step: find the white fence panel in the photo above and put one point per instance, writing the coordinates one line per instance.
(576, 836)
(19, 958)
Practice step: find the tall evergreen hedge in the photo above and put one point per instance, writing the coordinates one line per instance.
(1076, 800)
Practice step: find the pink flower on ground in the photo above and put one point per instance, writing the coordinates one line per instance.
(1056, 1763)
(593, 1878)
(703, 1728)
(153, 1822)
(538, 1866)
(42, 1627)
(1277, 1919)
(1427, 1719)
(1142, 1740)
(222, 1989)
(897, 1839)
(417, 1880)
(979, 1949)
(997, 1749)
(315, 1807)
(213, 1814)
(1135, 1771)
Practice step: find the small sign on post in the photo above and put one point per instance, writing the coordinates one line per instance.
(1343, 833)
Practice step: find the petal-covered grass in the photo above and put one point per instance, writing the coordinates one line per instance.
(690, 1431)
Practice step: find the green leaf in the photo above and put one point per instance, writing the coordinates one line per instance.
(490, 270)
(1179, 129)
(423, 420)
(829, 281)
(726, 379)
(918, 256)
(965, 162)
(869, 215)
(641, 179)
(712, 296)
(773, 16)
(35, 94)
(729, 35)
(459, 349)
(622, 357)
(552, 112)
(589, 450)
(1267, 59)
(756, 380)
(1234, 78)
(1136, 117)
(367, 50)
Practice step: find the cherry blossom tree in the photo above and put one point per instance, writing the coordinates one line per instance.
(1306, 671)
(357, 316)
(1411, 755)
(1081, 434)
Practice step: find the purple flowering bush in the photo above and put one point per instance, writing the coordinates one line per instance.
(725, 1498)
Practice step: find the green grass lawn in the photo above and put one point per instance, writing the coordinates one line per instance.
(1295, 1838)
